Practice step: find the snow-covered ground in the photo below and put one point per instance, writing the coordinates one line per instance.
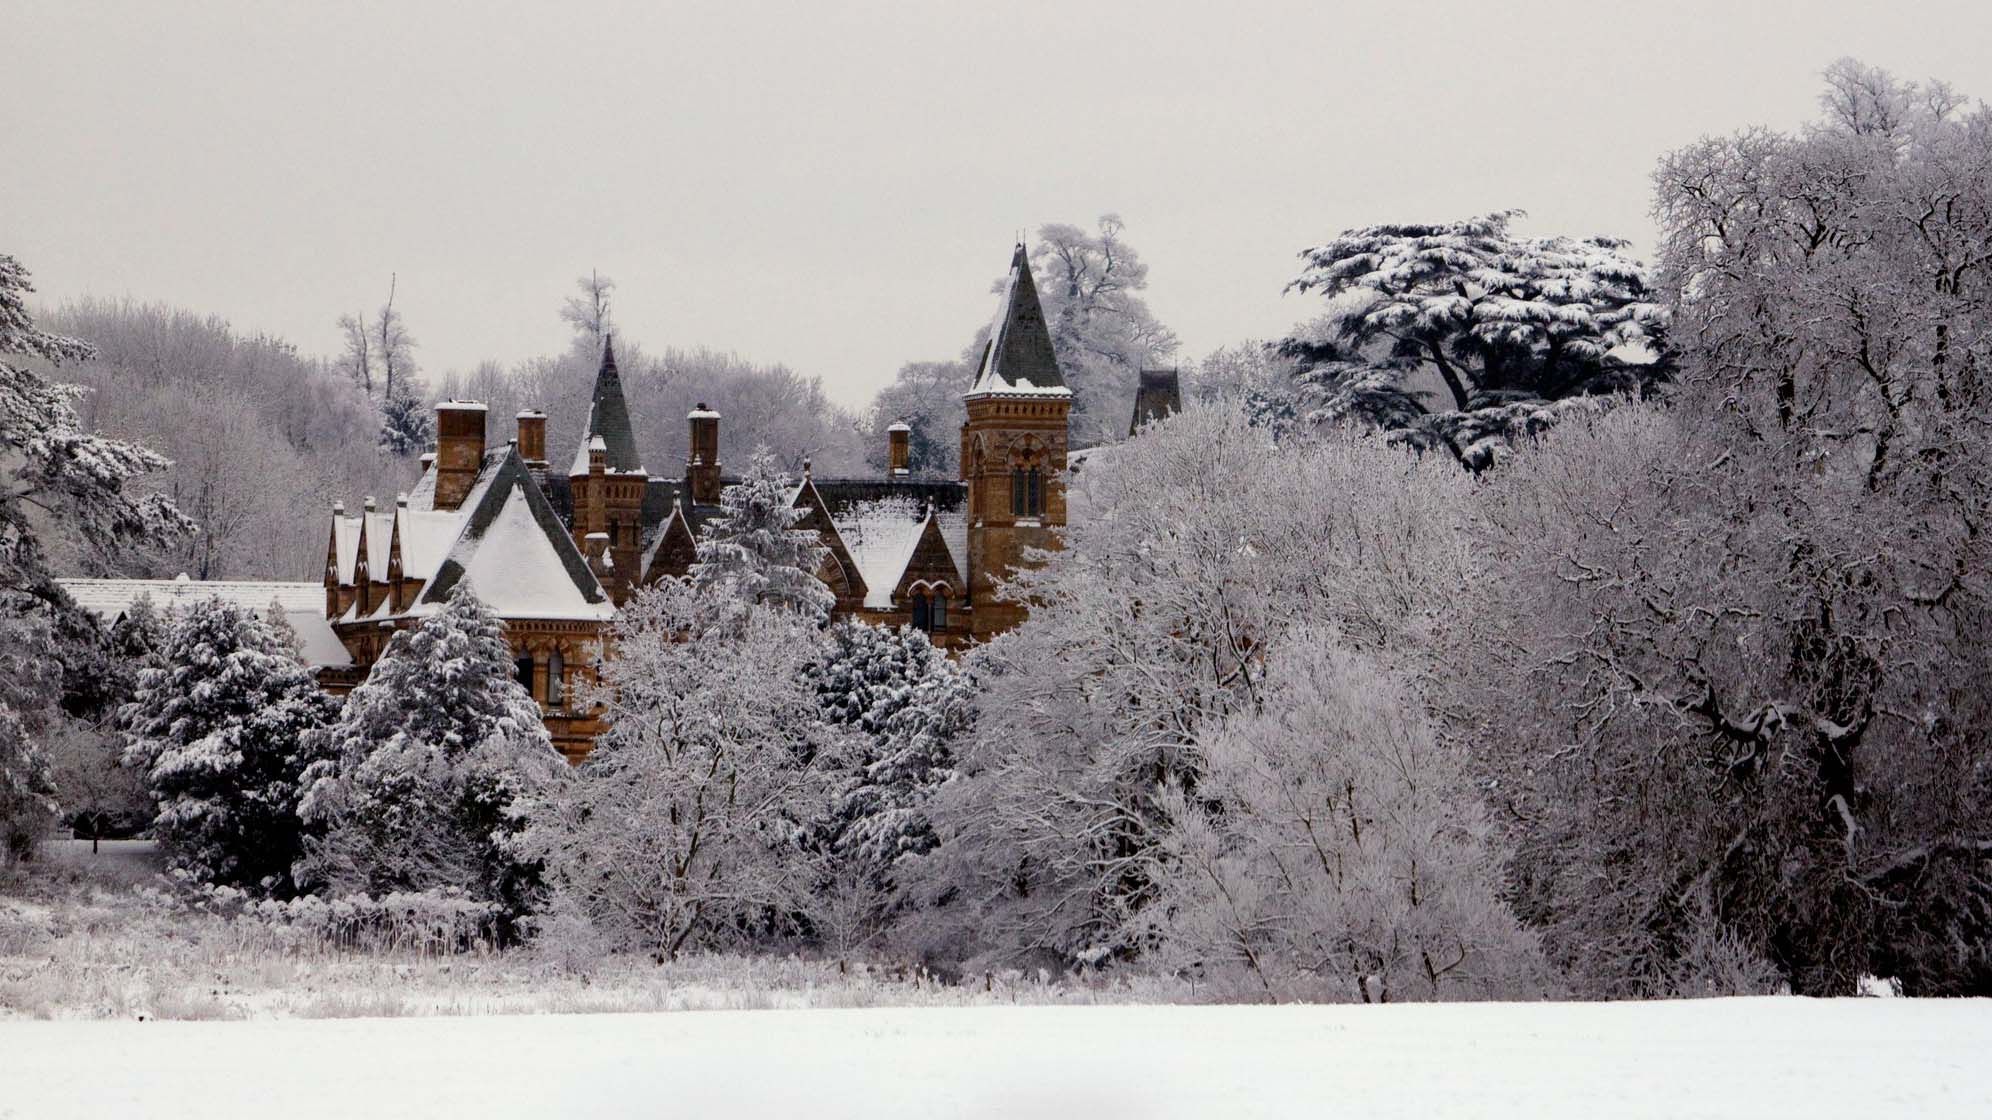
(1868, 1058)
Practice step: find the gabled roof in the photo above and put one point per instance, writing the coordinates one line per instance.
(817, 517)
(516, 553)
(302, 604)
(1019, 358)
(608, 417)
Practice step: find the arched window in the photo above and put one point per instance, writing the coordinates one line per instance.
(1026, 492)
(923, 618)
(524, 667)
(940, 612)
(555, 687)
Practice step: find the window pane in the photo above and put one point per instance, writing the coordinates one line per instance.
(940, 612)
(921, 620)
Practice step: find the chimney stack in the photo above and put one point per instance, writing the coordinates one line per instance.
(459, 450)
(702, 460)
(899, 449)
(532, 437)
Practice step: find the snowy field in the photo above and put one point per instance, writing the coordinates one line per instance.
(1868, 1058)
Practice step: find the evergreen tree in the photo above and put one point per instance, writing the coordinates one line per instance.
(51, 468)
(407, 425)
(1463, 336)
(907, 701)
(423, 779)
(27, 787)
(220, 731)
(753, 553)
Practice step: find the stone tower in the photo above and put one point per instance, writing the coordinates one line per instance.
(607, 480)
(1013, 449)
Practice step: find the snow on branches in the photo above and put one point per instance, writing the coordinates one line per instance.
(50, 469)
(426, 775)
(1497, 329)
(754, 553)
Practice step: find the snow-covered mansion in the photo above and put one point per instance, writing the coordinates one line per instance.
(555, 552)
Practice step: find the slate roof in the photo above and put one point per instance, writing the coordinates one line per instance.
(517, 553)
(1018, 357)
(608, 417)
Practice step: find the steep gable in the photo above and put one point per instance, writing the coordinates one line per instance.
(840, 568)
(517, 555)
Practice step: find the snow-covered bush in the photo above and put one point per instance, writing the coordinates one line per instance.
(425, 776)
(220, 730)
(684, 828)
(1333, 849)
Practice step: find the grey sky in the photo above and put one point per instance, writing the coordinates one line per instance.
(835, 186)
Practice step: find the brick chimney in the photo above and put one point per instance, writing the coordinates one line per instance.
(459, 450)
(899, 450)
(532, 437)
(702, 462)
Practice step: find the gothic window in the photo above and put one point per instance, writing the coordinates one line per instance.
(940, 612)
(923, 618)
(1026, 492)
(554, 686)
(524, 667)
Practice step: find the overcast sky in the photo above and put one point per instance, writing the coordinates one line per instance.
(834, 186)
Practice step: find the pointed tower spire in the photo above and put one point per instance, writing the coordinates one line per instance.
(1019, 357)
(608, 415)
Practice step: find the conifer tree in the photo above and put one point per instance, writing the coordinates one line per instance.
(27, 788)
(219, 730)
(49, 466)
(754, 553)
(908, 702)
(1460, 335)
(424, 776)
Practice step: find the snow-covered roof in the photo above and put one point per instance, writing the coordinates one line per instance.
(345, 545)
(882, 536)
(302, 604)
(1019, 360)
(426, 537)
(583, 453)
(462, 406)
(380, 541)
(517, 571)
(516, 553)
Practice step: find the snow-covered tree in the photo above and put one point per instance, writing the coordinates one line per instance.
(27, 697)
(1463, 336)
(1205, 544)
(684, 827)
(1333, 849)
(426, 774)
(53, 475)
(926, 397)
(407, 424)
(1101, 327)
(907, 703)
(753, 553)
(1729, 663)
(588, 313)
(220, 730)
(380, 358)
